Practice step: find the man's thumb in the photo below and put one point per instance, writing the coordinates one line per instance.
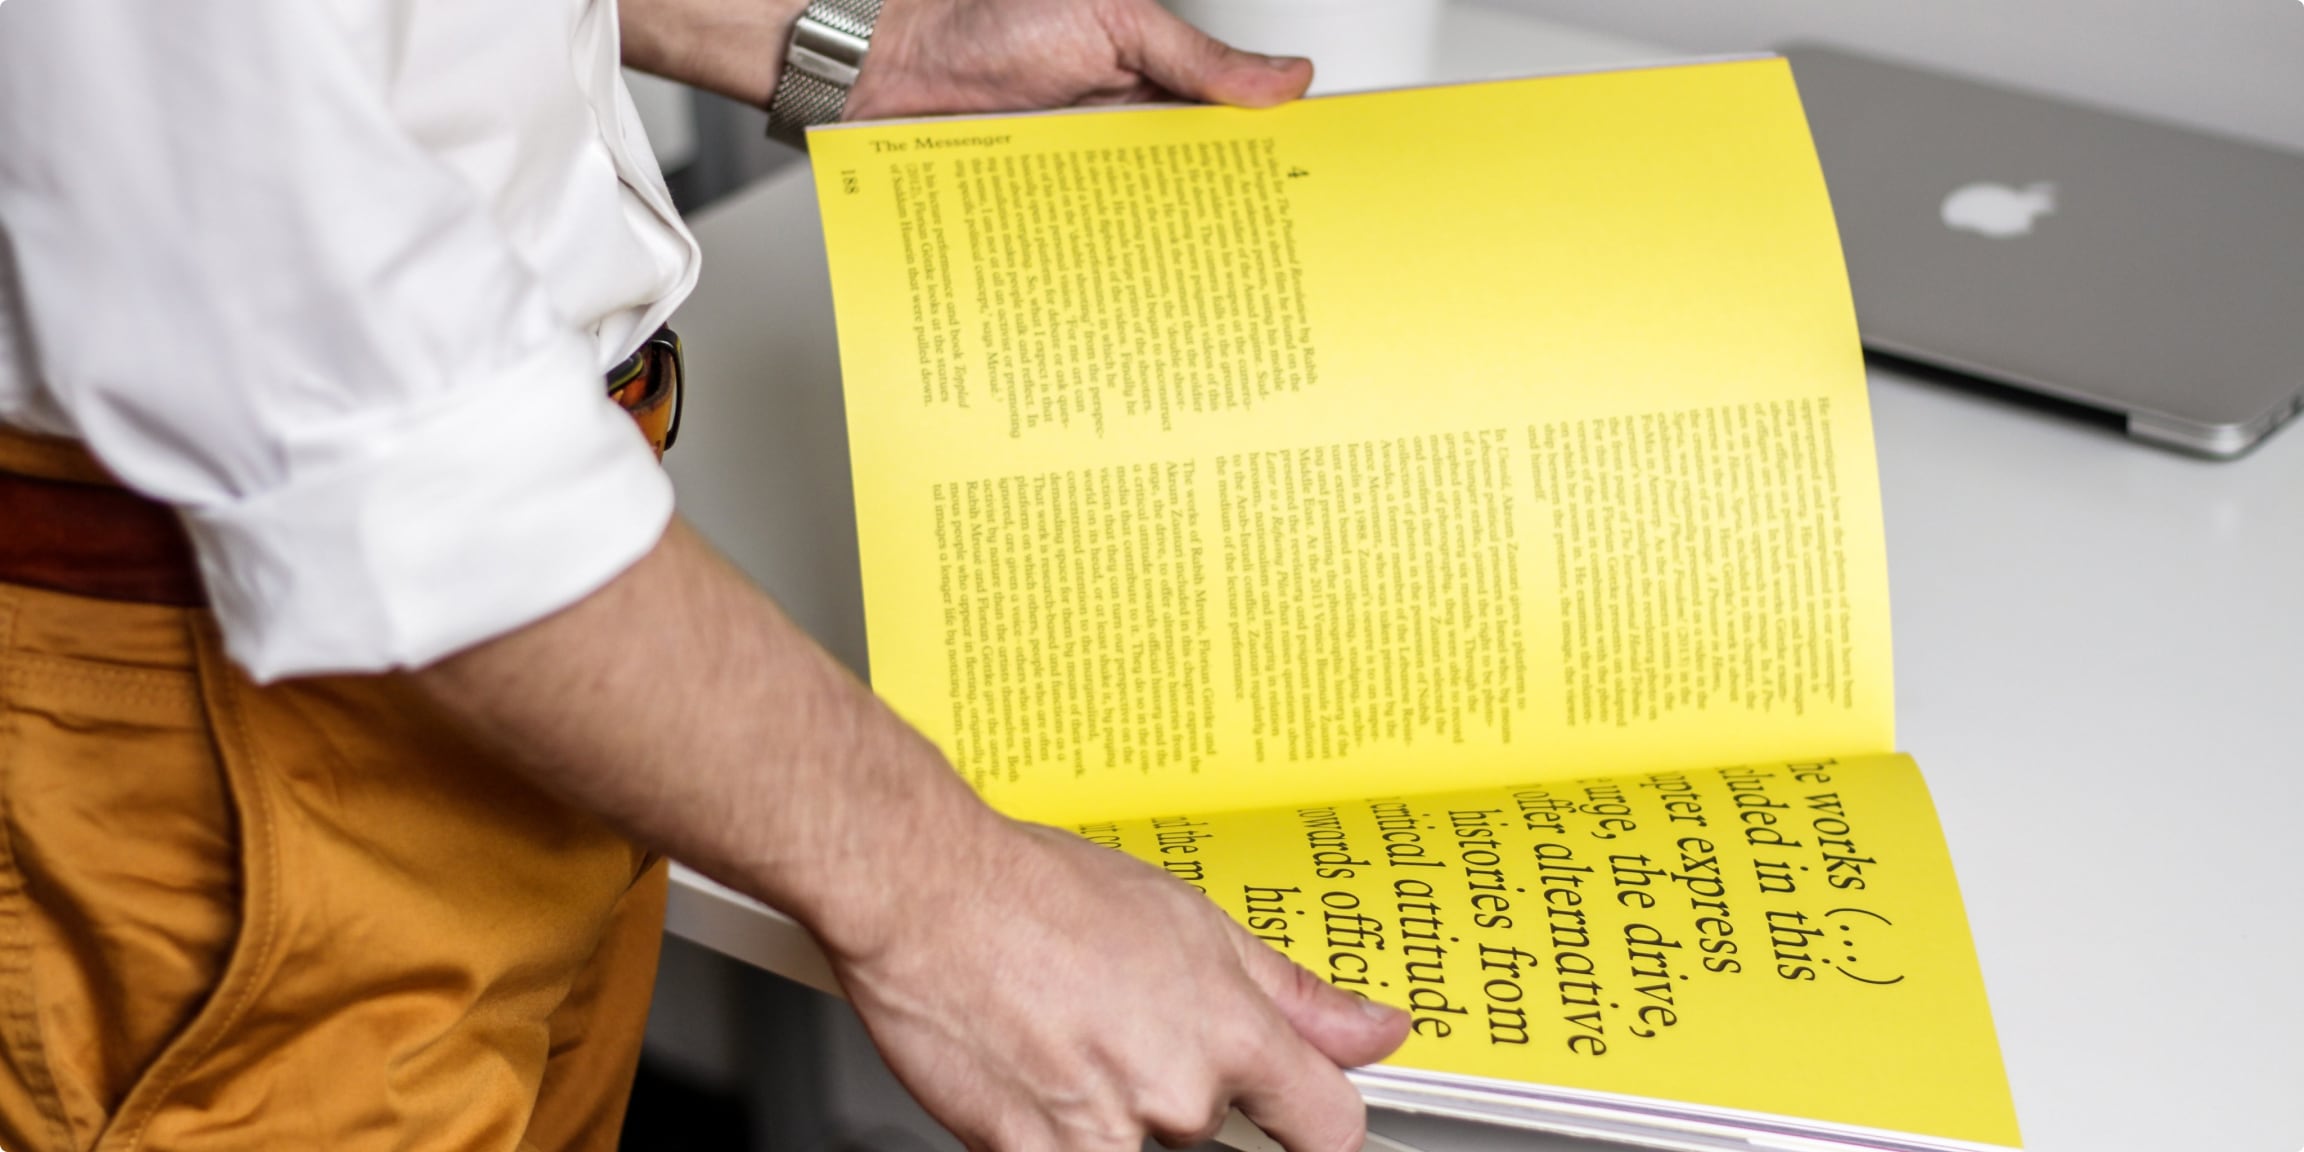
(1190, 63)
(1345, 1028)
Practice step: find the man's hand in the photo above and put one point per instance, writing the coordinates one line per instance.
(1037, 993)
(937, 56)
(1054, 996)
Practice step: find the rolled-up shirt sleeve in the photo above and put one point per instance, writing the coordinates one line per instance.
(260, 297)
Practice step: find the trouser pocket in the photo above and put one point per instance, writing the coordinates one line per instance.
(121, 878)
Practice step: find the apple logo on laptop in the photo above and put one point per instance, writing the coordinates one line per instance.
(1998, 211)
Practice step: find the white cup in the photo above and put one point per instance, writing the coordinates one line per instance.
(1354, 44)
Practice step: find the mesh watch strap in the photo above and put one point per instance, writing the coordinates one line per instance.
(821, 61)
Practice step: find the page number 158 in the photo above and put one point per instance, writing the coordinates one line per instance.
(849, 184)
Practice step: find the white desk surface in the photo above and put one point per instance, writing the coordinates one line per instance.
(2100, 665)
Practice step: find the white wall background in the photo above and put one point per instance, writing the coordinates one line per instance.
(668, 113)
(2235, 66)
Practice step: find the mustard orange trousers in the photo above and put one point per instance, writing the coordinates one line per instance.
(303, 916)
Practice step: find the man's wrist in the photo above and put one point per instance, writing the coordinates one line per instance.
(821, 64)
(916, 846)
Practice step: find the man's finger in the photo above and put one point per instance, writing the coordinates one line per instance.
(1345, 1028)
(1188, 62)
(1304, 1102)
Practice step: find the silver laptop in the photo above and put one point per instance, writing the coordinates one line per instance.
(2140, 270)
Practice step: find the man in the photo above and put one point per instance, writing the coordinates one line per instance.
(314, 833)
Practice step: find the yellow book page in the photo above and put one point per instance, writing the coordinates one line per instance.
(1425, 438)
(1780, 939)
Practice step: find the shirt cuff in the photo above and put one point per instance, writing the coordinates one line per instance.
(420, 534)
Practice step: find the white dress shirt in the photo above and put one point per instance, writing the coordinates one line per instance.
(338, 279)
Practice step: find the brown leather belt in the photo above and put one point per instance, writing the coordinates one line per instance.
(67, 526)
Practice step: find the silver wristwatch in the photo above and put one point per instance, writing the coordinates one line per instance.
(820, 65)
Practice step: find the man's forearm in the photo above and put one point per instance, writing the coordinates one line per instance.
(1033, 990)
(933, 58)
(732, 47)
(683, 704)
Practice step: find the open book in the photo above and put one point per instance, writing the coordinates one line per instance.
(1442, 527)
